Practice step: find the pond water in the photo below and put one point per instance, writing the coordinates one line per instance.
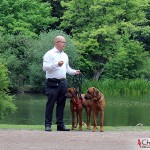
(119, 111)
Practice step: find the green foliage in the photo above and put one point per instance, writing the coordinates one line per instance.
(4, 81)
(23, 57)
(57, 11)
(128, 61)
(14, 50)
(28, 17)
(117, 87)
(6, 101)
(146, 70)
(109, 38)
(99, 25)
(76, 15)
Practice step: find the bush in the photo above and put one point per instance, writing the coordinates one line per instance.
(6, 101)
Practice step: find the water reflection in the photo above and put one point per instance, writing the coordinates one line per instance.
(119, 111)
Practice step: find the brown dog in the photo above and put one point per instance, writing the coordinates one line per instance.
(75, 107)
(98, 105)
(87, 105)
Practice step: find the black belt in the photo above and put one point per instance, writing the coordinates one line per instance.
(55, 80)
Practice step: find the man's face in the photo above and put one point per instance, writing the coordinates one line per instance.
(61, 43)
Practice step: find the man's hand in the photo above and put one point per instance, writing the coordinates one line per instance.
(77, 72)
(60, 63)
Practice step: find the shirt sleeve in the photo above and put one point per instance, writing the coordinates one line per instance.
(70, 71)
(47, 63)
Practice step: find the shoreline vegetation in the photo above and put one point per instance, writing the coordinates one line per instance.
(120, 87)
(107, 128)
(111, 86)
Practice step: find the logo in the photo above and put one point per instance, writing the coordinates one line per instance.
(144, 143)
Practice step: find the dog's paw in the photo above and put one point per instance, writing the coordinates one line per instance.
(80, 129)
(94, 129)
(88, 128)
(101, 129)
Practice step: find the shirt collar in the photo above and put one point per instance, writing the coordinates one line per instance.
(57, 51)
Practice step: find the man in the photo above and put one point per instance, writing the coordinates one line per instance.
(56, 65)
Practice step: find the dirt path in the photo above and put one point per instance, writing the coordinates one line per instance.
(73, 140)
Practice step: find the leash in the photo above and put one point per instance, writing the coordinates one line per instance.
(77, 83)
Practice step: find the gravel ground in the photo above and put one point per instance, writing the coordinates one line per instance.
(73, 140)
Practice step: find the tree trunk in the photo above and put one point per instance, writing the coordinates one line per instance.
(97, 74)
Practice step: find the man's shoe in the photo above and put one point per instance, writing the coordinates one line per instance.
(62, 128)
(48, 128)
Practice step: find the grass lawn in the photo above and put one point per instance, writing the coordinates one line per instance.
(106, 128)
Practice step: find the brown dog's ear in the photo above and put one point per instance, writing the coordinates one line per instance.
(76, 91)
(68, 89)
(96, 93)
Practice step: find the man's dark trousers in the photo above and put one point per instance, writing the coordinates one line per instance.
(55, 94)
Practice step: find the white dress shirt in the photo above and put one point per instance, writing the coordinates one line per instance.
(50, 64)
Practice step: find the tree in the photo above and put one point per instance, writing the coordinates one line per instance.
(99, 25)
(128, 61)
(26, 16)
(14, 49)
(76, 16)
(6, 101)
(57, 12)
(143, 34)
